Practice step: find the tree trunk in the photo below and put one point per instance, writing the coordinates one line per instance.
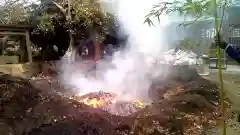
(23, 50)
(70, 53)
(97, 55)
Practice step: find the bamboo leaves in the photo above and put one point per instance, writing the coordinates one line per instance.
(195, 9)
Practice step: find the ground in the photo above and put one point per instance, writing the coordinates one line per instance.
(185, 105)
(231, 78)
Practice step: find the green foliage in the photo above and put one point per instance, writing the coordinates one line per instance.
(91, 16)
(196, 9)
(53, 20)
(13, 12)
(46, 23)
(86, 15)
(188, 45)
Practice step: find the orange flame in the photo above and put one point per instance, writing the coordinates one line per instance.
(93, 102)
(97, 103)
(139, 104)
(103, 101)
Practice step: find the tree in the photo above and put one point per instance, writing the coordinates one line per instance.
(15, 11)
(53, 24)
(195, 9)
(87, 19)
(11, 12)
(188, 45)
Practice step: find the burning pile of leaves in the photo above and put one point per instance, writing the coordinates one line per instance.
(26, 110)
(108, 102)
(180, 107)
(96, 99)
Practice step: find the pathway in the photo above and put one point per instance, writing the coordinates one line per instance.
(231, 78)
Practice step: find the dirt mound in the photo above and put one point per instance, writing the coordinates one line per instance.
(183, 80)
(25, 109)
(182, 105)
(181, 114)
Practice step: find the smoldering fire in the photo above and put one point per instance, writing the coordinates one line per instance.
(109, 102)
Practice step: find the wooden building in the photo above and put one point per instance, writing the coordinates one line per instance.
(15, 35)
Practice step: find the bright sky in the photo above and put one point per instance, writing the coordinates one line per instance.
(30, 1)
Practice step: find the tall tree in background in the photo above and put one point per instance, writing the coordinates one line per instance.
(91, 19)
(12, 12)
(53, 24)
(187, 44)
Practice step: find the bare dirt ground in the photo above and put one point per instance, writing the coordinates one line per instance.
(231, 79)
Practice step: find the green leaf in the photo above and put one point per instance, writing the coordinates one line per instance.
(197, 9)
(149, 21)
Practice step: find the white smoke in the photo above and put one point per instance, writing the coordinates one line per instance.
(130, 72)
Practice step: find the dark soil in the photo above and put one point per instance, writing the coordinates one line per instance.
(27, 110)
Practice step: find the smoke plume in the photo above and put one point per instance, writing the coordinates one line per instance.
(132, 70)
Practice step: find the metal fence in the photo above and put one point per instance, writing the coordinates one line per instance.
(234, 40)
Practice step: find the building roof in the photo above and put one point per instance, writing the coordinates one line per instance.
(15, 27)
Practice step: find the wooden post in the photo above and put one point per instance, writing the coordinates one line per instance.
(23, 49)
(28, 45)
(97, 54)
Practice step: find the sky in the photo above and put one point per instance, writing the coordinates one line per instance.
(30, 1)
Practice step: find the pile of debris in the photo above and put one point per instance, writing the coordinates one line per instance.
(184, 103)
(28, 111)
(181, 105)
